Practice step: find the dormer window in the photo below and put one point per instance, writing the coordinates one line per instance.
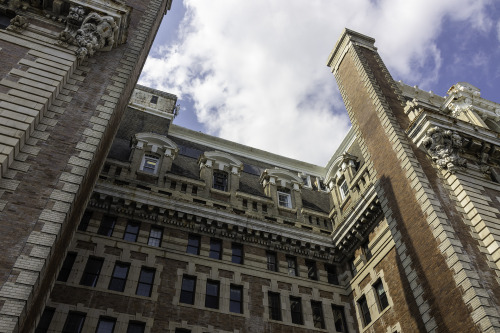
(150, 163)
(220, 180)
(284, 197)
(344, 189)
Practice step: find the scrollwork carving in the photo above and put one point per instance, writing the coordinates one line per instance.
(18, 23)
(444, 147)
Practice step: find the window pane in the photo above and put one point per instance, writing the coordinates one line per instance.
(296, 309)
(84, 222)
(332, 274)
(272, 262)
(193, 246)
(381, 294)
(91, 272)
(212, 295)
(237, 255)
(311, 270)
(188, 289)
(365, 311)
(155, 236)
(136, 327)
(74, 322)
(235, 299)
(119, 277)
(292, 266)
(67, 267)
(44, 323)
(215, 248)
(146, 279)
(317, 310)
(339, 318)
(107, 225)
(131, 231)
(220, 180)
(274, 306)
(106, 325)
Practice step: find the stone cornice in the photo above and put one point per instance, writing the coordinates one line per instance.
(346, 40)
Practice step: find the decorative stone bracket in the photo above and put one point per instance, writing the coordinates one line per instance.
(95, 28)
(444, 147)
(18, 23)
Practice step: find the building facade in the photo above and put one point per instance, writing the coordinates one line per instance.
(184, 232)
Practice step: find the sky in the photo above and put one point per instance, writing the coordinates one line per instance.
(255, 72)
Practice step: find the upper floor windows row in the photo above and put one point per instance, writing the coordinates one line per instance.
(381, 302)
(216, 248)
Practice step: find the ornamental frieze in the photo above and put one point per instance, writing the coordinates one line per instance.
(444, 147)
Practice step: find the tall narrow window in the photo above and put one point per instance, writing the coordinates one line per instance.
(317, 311)
(381, 295)
(296, 309)
(237, 253)
(119, 277)
(215, 248)
(131, 231)
(193, 246)
(212, 295)
(154, 99)
(188, 289)
(352, 266)
(272, 262)
(106, 325)
(236, 299)
(146, 279)
(220, 180)
(150, 163)
(292, 266)
(155, 236)
(136, 327)
(331, 272)
(67, 267)
(339, 318)
(344, 189)
(84, 222)
(312, 272)
(365, 311)
(74, 322)
(107, 225)
(284, 197)
(45, 320)
(91, 272)
(274, 306)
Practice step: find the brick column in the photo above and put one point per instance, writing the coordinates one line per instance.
(431, 240)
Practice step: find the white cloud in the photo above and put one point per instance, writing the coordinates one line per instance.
(256, 70)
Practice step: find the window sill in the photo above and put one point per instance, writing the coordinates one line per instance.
(225, 193)
(377, 318)
(287, 209)
(147, 174)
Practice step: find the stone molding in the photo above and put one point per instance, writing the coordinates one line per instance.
(444, 147)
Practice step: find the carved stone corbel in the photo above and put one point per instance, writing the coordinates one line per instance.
(444, 147)
(18, 23)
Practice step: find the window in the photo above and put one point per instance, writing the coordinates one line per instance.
(66, 267)
(215, 248)
(44, 323)
(74, 322)
(155, 236)
(339, 318)
(91, 272)
(317, 311)
(292, 266)
(274, 306)
(284, 198)
(331, 272)
(220, 180)
(136, 327)
(312, 272)
(212, 295)
(381, 295)
(150, 163)
(84, 222)
(254, 205)
(182, 330)
(344, 189)
(154, 99)
(188, 289)
(146, 279)
(193, 246)
(366, 251)
(106, 325)
(107, 226)
(131, 231)
(119, 277)
(237, 253)
(272, 262)
(236, 299)
(365, 311)
(296, 309)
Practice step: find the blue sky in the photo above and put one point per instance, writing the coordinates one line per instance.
(255, 72)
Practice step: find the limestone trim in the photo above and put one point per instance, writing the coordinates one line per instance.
(444, 147)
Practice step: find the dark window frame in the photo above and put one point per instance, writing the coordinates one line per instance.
(136, 327)
(117, 283)
(90, 278)
(107, 226)
(105, 319)
(274, 300)
(85, 220)
(293, 269)
(143, 282)
(382, 300)
(235, 304)
(366, 317)
(331, 273)
(237, 254)
(211, 299)
(45, 320)
(296, 310)
(69, 323)
(67, 267)
(215, 248)
(272, 261)
(312, 270)
(131, 235)
(192, 247)
(187, 295)
(220, 180)
(153, 239)
(339, 319)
